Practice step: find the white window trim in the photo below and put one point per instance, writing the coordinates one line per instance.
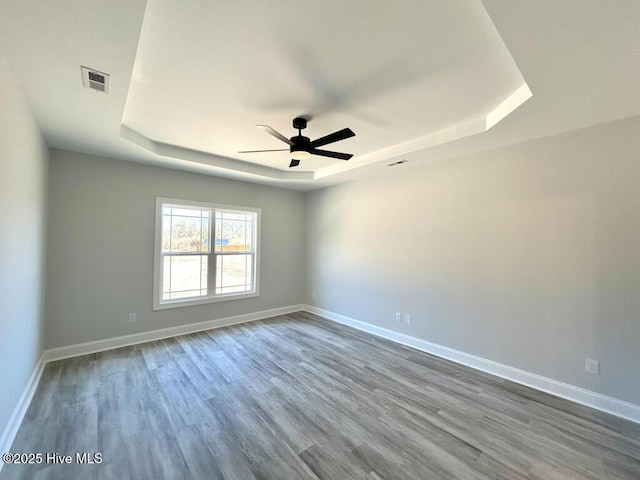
(158, 304)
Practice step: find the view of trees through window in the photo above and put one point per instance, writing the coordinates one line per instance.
(185, 230)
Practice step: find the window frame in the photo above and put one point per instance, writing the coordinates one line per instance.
(158, 303)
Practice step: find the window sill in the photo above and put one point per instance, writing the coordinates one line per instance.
(203, 301)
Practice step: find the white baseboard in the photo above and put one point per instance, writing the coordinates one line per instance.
(619, 408)
(126, 340)
(10, 431)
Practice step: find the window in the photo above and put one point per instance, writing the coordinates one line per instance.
(204, 253)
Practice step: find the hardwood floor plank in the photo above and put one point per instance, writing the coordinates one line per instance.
(326, 465)
(201, 462)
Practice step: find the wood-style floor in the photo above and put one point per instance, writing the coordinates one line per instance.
(298, 397)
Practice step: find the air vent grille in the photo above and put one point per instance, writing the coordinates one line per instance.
(95, 80)
(399, 162)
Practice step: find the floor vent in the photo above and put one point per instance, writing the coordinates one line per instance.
(95, 80)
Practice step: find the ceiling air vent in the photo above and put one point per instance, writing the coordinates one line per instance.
(95, 80)
(399, 162)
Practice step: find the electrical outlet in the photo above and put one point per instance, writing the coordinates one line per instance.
(133, 318)
(407, 318)
(592, 366)
(398, 317)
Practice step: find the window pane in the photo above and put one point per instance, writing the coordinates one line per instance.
(186, 234)
(185, 231)
(248, 238)
(204, 235)
(234, 273)
(189, 212)
(228, 215)
(184, 276)
(166, 233)
(234, 232)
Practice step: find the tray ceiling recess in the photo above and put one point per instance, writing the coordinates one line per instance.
(403, 79)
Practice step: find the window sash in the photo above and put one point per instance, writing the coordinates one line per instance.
(212, 274)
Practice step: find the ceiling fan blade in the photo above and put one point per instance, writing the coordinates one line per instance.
(294, 163)
(275, 133)
(327, 153)
(333, 137)
(260, 151)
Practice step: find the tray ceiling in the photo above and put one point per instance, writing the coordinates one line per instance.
(402, 78)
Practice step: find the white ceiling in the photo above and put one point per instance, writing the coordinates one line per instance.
(417, 79)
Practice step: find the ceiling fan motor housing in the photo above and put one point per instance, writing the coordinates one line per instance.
(300, 143)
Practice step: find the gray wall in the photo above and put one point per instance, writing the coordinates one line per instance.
(100, 246)
(527, 255)
(23, 168)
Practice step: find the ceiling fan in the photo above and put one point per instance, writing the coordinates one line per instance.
(302, 147)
